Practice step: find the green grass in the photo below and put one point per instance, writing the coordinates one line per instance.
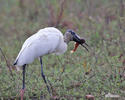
(103, 78)
(72, 76)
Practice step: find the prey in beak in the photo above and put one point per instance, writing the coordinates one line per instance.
(79, 41)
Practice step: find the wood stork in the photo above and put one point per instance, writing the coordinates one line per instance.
(45, 41)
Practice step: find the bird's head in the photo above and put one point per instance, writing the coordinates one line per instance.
(70, 35)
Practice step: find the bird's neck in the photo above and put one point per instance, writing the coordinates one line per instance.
(66, 39)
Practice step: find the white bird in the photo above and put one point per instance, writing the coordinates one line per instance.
(46, 41)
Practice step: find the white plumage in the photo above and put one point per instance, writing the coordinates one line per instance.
(45, 41)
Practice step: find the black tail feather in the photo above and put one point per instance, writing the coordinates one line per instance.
(15, 62)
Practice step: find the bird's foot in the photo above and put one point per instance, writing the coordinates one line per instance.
(22, 93)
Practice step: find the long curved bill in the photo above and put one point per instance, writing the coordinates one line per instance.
(76, 46)
(85, 46)
(78, 41)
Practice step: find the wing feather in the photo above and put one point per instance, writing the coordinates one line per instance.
(45, 41)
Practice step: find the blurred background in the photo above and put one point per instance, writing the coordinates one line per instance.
(72, 76)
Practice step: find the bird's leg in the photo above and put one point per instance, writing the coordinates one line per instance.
(44, 78)
(23, 87)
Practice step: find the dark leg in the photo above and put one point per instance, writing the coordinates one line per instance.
(44, 78)
(23, 87)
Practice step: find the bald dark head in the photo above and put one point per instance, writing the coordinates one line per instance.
(70, 35)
